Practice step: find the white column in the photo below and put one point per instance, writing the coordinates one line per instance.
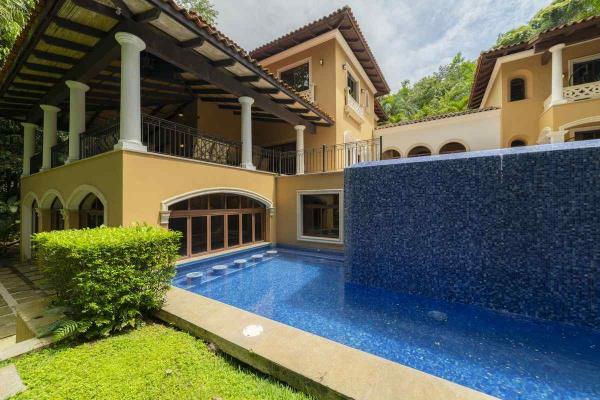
(246, 103)
(299, 149)
(28, 146)
(130, 114)
(557, 74)
(49, 138)
(76, 116)
(556, 136)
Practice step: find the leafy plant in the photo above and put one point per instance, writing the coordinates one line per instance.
(203, 7)
(107, 279)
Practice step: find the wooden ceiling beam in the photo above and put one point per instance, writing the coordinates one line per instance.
(45, 68)
(219, 99)
(97, 8)
(209, 91)
(44, 55)
(228, 62)
(284, 101)
(267, 90)
(191, 43)
(250, 78)
(147, 16)
(67, 44)
(21, 93)
(31, 86)
(37, 78)
(79, 28)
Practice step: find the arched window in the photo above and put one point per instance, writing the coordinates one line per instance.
(517, 89)
(216, 222)
(35, 228)
(91, 212)
(419, 151)
(389, 154)
(57, 220)
(518, 143)
(452, 147)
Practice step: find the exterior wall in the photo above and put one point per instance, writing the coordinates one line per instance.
(149, 179)
(511, 229)
(478, 131)
(286, 205)
(526, 119)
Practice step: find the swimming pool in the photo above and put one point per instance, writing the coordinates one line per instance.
(504, 355)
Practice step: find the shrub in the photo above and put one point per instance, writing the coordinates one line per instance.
(106, 279)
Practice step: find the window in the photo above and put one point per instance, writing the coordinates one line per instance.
(57, 220)
(587, 135)
(352, 86)
(517, 89)
(452, 147)
(216, 222)
(518, 143)
(91, 212)
(319, 216)
(34, 218)
(297, 77)
(585, 71)
(389, 154)
(419, 151)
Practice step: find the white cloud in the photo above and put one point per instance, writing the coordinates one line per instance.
(409, 38)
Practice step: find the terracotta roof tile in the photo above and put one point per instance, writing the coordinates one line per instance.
(437, 117)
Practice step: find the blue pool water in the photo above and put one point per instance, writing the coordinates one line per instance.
(504, 355)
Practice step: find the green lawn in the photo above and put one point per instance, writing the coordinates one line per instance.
(154, 362)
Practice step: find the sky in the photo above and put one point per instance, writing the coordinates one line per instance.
(409, 38)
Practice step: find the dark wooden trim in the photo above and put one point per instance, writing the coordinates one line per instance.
(209, 91)
(199, 82)
(22, 93)
(44, 55)
(79, 28)
(267, 90)
(16, 102)
(37, 78)
(67, 44)
(191, 43)
(147, 16)
(263, 119)
(299, 110)
(31, 86)
(45, 68)
(228, 62)
(219, 99)
(284, 101)
(97, 8)
(311, 118)
(122, 8)
(249, 78)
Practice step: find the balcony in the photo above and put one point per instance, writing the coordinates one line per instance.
(353, 108)
(177, 140)
(585, 91)
(309, 94)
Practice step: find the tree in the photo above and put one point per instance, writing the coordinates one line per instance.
(557, 13)
(203, 7)
(445, 91)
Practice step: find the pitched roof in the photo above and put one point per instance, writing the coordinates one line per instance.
(342, 19)
(569, 33)
(437, 117)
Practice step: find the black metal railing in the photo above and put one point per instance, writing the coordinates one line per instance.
(98, 141)
(59, 154)
(35, 163)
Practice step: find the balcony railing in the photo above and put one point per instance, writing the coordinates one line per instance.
(582, 92)
(353, 107)
(177, 140)
(309, 93)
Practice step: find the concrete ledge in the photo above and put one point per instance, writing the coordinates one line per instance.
(312, 364)
(24, 347)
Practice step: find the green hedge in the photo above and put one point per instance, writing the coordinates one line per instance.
(106, 279)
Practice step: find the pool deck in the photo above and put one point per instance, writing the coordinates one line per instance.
(315, 365)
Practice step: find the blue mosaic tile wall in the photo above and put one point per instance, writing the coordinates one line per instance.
(512, 229)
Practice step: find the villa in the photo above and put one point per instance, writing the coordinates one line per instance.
(546, 90)
(306, 251)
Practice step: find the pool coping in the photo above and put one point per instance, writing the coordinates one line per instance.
(315, 365)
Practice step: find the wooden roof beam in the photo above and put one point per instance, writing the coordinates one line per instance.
(228, 62)
(45, 68)
(37, 78)
(98, 8)
(250, 78)
(79, 28)
(191, 43)
(267, 90)
(67, 44)
(44, 55)
(147, 16)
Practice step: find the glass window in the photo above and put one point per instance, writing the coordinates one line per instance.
(587, 135)
(419, 151)
(180, 225)
(321, 215)
(518, 143)
(182, 205)
(297, 77)
(233, 230)
(353, 87)
(586, 72)
(217, 201)
(258, 227)
(199, 203)
(452, 147)
(233, 202)
(91, 212)
(390, 154)
(246, 228)
(199, 234)
(517, 89)
(34, 218)
(217, 232)
(57, 220)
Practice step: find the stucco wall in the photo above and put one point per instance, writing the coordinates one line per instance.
(286, 204)
(510, 229)
(478, 131)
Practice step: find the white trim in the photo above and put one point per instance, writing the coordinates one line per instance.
(164, 205)
(582, 121)
(48, 197)
(333, 34)
(459, 119)
(497, 65)
(299, 219)
(80, 192)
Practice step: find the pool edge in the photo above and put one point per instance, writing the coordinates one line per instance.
(310, 363)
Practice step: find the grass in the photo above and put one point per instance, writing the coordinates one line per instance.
(153, 362)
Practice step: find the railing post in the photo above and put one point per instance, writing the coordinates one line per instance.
(324, 165)
(380, 147)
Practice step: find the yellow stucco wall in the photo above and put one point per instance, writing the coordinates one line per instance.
(525, 119)
(286, 204)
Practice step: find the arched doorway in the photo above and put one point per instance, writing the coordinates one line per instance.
(57, 218)
(419, 151)
(29, 224)
(91, 212)
(453, 147)
(217, 221)
(390, 154)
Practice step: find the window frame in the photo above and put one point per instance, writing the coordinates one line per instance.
(510, 91)
(300, 216)
(308, 61)
(574, 61)
(350, 73)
